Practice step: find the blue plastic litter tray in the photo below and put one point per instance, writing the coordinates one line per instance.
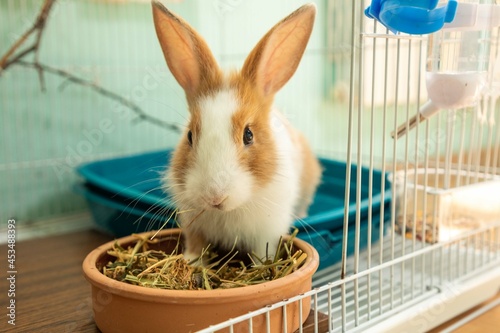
(120, 217)
(138, 178)
(130, 186)
(134, 177)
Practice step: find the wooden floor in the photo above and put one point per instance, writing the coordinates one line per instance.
(51, 294)
(487, 322)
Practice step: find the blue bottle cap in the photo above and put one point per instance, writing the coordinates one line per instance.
(412, 16)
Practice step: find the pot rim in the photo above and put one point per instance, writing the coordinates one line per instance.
(99, 280)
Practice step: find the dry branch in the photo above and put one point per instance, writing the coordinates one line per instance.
(38, 28)
(15, 57)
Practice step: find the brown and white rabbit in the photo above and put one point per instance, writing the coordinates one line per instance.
(240, 172)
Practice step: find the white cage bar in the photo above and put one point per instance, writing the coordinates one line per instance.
(409, 281)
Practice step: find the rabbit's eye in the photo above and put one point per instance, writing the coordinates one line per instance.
(190, 138)
(247, 136)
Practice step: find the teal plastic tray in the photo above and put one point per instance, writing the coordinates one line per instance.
(124, 196)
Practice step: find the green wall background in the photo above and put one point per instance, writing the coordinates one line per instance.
(45, 134)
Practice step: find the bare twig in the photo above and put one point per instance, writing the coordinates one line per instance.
(37, 27)
(105, 92)
(12, 57)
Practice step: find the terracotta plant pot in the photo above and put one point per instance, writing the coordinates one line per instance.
(122, 307)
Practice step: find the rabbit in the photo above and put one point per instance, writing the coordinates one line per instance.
(240, 174)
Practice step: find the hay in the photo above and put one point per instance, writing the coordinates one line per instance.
(140, 265)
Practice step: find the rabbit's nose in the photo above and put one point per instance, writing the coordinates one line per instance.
(216, 201)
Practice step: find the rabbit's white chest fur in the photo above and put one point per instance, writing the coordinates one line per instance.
(253, 216)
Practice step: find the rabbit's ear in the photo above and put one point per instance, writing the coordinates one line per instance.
(187, 54)
(277, 55)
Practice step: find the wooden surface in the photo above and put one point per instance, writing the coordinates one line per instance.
(51, 293)
(53, 296)
(487, 322)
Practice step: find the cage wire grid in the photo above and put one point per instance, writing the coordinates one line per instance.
(379, 77)
(49, 129)
(426, 283)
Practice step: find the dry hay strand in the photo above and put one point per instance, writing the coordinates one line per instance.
(143, 266)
